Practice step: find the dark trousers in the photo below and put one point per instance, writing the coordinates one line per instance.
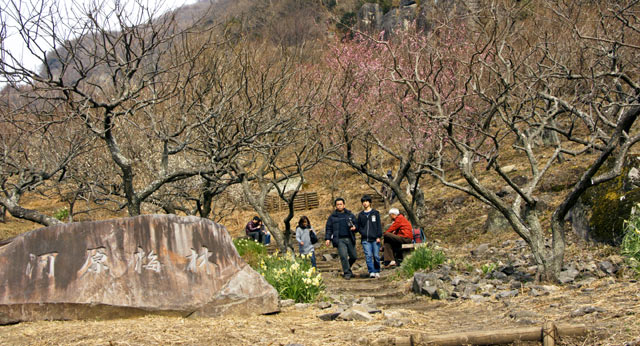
(393, 246)
(347, 252)
(257, 236)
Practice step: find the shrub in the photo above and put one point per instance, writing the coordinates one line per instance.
(250, 250)
(293, 277)
(630, 246)
(488, 268)
(61, 214)
(422, 258)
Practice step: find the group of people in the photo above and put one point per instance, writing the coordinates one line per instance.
(340, 231)
(256, 231)
(342, 226)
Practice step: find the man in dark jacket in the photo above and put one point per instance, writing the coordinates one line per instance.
(255, 229)
(340, 231)
(370, 229)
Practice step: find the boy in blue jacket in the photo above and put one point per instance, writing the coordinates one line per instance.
(369, 226)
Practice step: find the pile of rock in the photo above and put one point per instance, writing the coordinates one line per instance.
(501, 281)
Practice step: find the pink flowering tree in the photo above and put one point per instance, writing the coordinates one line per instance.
(514, 81)
(380, 103)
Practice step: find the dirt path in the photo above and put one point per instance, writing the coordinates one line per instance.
(609, 307)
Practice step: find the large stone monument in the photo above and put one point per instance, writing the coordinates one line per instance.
(163, 264)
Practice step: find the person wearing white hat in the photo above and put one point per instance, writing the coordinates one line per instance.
(400, 232)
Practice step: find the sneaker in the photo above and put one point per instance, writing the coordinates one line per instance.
(347, 276)
(372, 275)
(377, 275)
(391, 264)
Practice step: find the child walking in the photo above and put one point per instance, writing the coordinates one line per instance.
(304, 240)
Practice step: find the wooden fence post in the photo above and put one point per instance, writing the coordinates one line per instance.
(549, 334)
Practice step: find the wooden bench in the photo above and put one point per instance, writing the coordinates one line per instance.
(407, 248)
(413, 246)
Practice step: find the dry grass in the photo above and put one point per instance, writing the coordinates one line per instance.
(454, 220)
(616, 323)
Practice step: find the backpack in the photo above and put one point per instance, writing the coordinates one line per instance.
(418, 236)
(313, 237)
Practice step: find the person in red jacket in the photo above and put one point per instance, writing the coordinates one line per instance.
(400, 232)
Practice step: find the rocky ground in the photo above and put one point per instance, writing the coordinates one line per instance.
(599, 292)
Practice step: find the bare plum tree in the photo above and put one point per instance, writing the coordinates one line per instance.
(276, 107)
(122, 72)
(39, 141)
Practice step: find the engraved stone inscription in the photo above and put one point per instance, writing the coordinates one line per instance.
(197, 261)
(150, 263)
(96, 261)
(44, 263)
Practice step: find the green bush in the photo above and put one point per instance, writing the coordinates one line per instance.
(488, 268)
(61, 214)
(422, 258)
(631, 241)
(293, 277)
(250, 250)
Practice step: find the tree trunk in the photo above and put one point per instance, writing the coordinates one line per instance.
(549, 261)
(133, 207)
(417, 198)
(72, 204)
(287, 220)
(204, 204)
(28, 214)
(257, 204)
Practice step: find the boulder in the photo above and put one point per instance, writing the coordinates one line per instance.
(429, 284)
(323, 305)
(355, 314)
(600, 213)
(330, 316)
(496, 222)
(370, 18)
(285, 303)
(480, 250)
(397, 19)
(568, 275)
(633, 179)
(164, 264)
(608, 267)
(507, 294)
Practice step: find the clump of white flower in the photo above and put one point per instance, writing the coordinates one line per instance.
(292, 276)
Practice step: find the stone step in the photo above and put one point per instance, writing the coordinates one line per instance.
(386, 293)
(357, 284)
(378, 296)
(410, 304)
(404, 302)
